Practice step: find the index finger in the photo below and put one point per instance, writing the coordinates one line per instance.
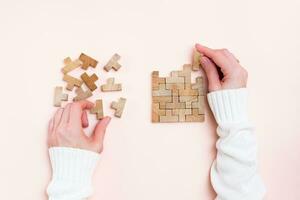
(77, 111)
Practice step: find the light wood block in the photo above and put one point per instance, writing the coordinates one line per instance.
(161, 92)
(72, 82)
(90, 81)
(59, 96)
(199, 85)
(199, 104)
(81, 94)
(87, 61)
(118, 106)
(196, 60)
(111, 86)
(98, 109)
(168, 117)
(113, 63)
(195, 116)
(70, 65)
(174, 79)
(156, 112)
(182, 113)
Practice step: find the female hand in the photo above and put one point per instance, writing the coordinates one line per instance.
(66, 128)
(235, 76)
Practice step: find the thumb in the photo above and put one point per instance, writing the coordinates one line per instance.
(100, 129)
(212, 74)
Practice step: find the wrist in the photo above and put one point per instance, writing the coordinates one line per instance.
(229, 106)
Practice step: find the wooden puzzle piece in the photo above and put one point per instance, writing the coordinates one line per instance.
(118, 106)
(113, 63)
(59, 96)
(199, 104)
(111, 86)
(70, 65)
(168, 117)
(72, 82)
(156, 80)
(81, 95)
(195, 116)
(87, 61)
(188, 100)
(98, 109)
(90, 81)
(182, 113)
(199, 85)
(196, 60)
(161, 92)
(156, 112)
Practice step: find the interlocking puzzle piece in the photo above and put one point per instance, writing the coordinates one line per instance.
(70, 65)
(111, 86)
(59, 96)
(81, 95)
(196, 60)
(90, 81)
(181, 113)
(156, 80)
(113, 63)
(72, 82)
(156, 112)
(199, 85)
(98, 109)
(195, 116)
(118, 106)
(168, 117)
(87, 61)
(199, 104)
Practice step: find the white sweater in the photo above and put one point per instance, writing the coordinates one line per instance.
(234, 173)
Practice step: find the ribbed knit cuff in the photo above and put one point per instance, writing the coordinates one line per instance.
(72, 164)
(229, 106)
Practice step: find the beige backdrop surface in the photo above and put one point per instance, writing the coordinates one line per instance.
(144, 161)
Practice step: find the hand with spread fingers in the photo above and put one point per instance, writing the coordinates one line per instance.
(235, 76)
(66, 128)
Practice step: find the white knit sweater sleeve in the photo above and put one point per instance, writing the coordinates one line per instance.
(72, 171)
(234, 173)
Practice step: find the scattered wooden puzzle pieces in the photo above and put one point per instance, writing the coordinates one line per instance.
(113, 63)
(87, 61)
(111, 86)
(98, 109)
(59, 96)
(176, 98)
(118, 106)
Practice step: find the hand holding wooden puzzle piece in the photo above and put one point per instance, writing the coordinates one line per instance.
(85, 61)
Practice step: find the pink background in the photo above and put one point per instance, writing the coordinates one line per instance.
(143, 160)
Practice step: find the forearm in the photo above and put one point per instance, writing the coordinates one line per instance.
(72, 173)
(234, 173)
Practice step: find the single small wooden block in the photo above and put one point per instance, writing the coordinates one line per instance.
(72, 82)
(70, 65)
(87, 61)
(168, 117)
(111, 86)
(196, 60)
(118, 106)
(113, 63)
(59, 96)
(98, 109)
(90, 81)
(188, 92)
(81, 95)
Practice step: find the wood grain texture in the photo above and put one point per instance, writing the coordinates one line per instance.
(111, 86)
(59, 96)
(98, 109)
(87, 61)
(118, 106)
(72, 82)
(90, 80)
(113, 63)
